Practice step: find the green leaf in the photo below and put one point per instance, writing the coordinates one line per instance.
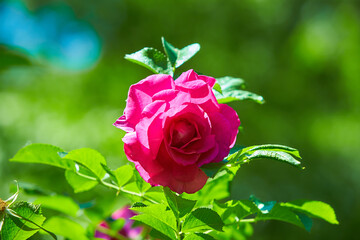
(274, 155)
(202, 219)
(158, 217)
(233, 211)
(140, 183)
(89, 158)
(198, 236)
(216, 188)
(211, 169)
(59, 203)
(271, 151)
(78, 183)
(66, 228)
(282, 214)
(264, 207)
(306, 221)
(15, 228)
(230, 83)
(179, 56)
(180, 206)
(231, 89)
(123, 174)
(316, 209)
(217, 88)
(160, 212)
(42, 153)
(238, 95)
(152, 59)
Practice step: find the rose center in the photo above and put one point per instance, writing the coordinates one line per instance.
(182, 133)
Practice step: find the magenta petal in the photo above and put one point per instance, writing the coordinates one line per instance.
(140, 95)
(99, 234)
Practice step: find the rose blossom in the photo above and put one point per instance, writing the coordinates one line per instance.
(127, 230)
(175, 127)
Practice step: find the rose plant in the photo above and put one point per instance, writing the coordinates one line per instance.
(181, 140)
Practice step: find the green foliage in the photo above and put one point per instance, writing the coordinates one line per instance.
(89, 158)
(179, 56)
(44, 154)
(230, 89)
(202, 219)
(159, 217)
(79, 183)
(59, 203)
(124, 174)
(16, 228)
(269, 151)
(152, 59)
(198, 236)
(66, 228)
(180, 206)
(157, 62)
(316, 209)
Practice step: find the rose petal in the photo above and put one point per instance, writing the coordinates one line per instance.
(140, 95)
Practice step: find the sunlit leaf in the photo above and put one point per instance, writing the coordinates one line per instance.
(158, 217)
(123, 174)
(179, 56)
(66, 228)
(202, 219)
(198, 236)
(89, 158)
(180, 206)
(78, 183)
(42, 153)
(152, 59)
(59, 203)
(316, 209)
(15, 228)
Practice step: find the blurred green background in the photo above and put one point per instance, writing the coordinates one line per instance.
(64, 81)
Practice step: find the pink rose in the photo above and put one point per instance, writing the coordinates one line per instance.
(175, 127)
(127, 231)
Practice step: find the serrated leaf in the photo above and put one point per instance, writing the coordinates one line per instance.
(78, 183)
(152, 59)
(44, 154)
(156, 224)
(140, 183)
(235, 210)
(215, 188)
(232, 90)
(179, 56)
(282, 214)
(157, 217)
(123, 174)
(19, 229)
(59, 203)
(238, 95)
(89, 158)
(275, 155)
(66, 228)
(230, 83)
(160, 212)
(315, 209)
(180, 206)
(202, 219)
(198, 236)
